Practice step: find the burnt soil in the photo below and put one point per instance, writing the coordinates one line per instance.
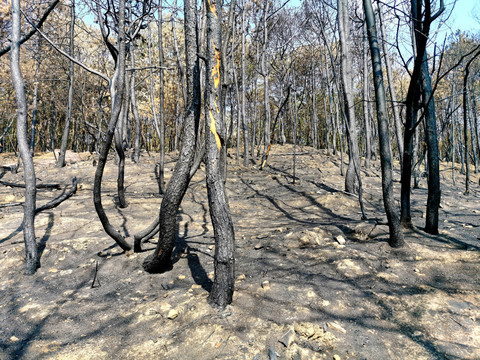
(297, 283)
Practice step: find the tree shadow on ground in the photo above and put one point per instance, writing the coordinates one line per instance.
(182, 250)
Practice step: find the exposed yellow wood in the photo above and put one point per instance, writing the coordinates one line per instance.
(213, 129)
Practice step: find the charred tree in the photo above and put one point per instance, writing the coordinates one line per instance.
(391, 87)
(396, 235)
(418, 86)
(215, 134)
(351, 179)
(159, 261)
(161, 114)
(31, 251)
(434, 191)
(244, 86)
(66, 127)
(117, 88)
(421, 22)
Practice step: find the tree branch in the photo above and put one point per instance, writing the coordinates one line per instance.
(35, 27)
(57, 201)
(82, 65)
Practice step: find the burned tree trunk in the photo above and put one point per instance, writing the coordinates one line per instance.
(136, 115)
(31, 251)
(396, 234)
(393, 95)
(159, 261)
(118, 82)
(244, 87)
(161, 114)
(66, 128)
(215, 132)
(434, 192)
(349, 105)
(465, 123)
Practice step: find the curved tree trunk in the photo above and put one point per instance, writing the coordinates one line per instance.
(118, 141)
(215, 132)
(159, 261)
(118, 82)
(31, 251)
(396, 234)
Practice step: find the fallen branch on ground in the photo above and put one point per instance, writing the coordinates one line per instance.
(10, 204)
(57, 201)
(38, 186)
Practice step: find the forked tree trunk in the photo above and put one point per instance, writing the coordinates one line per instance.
(420, 83)
(396, 235)
(118, 82)
(411, 110)
(215, 132)
(159, 261)
(31, 251)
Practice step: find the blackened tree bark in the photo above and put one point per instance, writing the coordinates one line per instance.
(31, 251)
(434, 191)
(475, 127)
(215, 134)
(391, 87)
(366, 120)
(136, 115)
(421, 24)
(465, 123)
(265, 70)
(118, 136)
(396, 235)
(117, 86)
(159, 261)
(314, 130)
(35, 95)
(161, 114)
(66, 127)
(349, 105)
(160, 133)
(242, 108)
(420, 84)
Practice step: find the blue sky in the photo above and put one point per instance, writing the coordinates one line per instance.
(462, 15)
